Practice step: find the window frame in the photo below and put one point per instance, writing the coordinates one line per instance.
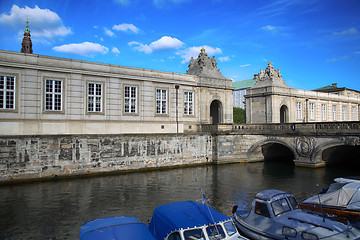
(323, 112)
(344, 113)
(13, 91)
(299, 110)
(189, 110)
(53, 95)
(125, 98)
(94, 96)
(312, 111)
(162, 102)
(334, 112)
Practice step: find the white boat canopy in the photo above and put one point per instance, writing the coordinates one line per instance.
(344, 193)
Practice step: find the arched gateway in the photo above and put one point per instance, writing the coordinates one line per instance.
(216, 112)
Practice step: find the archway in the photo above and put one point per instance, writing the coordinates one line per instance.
(215, 112)
(344, 156)
(284, 114)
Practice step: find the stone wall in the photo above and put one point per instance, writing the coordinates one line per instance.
(43, 157)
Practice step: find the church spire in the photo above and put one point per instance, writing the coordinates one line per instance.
(26, 46)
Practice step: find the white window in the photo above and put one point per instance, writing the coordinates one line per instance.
(161, 101)
(353, 113)
(7, 92)
(323, 111)
(344, 115)
(130, 99)
(53, 95)
(299, 110)
(188, 103)
(334, 112)
(312, 110)
(95, 97)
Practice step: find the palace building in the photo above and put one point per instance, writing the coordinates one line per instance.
(48, 95)
(271, 100)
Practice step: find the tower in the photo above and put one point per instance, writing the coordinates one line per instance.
(26, 46)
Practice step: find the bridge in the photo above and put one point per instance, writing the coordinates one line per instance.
(308, 144)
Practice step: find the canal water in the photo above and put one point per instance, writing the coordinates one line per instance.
(57, 209)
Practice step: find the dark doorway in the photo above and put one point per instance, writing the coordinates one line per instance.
(284, 114)
(215, 112)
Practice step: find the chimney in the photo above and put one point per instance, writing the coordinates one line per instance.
(334, 85)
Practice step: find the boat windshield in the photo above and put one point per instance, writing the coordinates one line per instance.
(230, 228)
(194, 234)
(215, 233)
(280, 206)
(293, 202)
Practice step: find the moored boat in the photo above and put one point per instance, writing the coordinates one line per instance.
(109, 228)
(276, 215)
(341, 200)
(189, 220)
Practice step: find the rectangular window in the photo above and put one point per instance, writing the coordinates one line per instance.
(7, 92)
(323, 111)
(334, 112)
(130, 99)
(53, 95)
(298, 110)
(95, 97)
(188, 103)
(344, 115)
(353, 113)
(312, 110)
(161, 101)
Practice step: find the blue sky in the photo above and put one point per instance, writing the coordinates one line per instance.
(313, 43)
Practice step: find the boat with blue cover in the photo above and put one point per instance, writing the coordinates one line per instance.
(189, 220)
(115, 228)
(276, 215)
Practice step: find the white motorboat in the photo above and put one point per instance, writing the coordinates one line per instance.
(276, 215)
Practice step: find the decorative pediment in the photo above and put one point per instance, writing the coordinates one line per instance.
(204, 66)
(270, 77)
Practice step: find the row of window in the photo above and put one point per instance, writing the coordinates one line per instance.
(95, 96)
(345, 117)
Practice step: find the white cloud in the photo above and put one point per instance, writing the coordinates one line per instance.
(347, 32)
(245, 65)
(269, 28)
(337, 59)
(115, 50)
(109, 32)
(161, 44)
(85, 48)
(187, 53)
(42, 22)
(224, 59)
(125, 27)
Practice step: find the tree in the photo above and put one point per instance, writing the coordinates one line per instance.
(239, 115)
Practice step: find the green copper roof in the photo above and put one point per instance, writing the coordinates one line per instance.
(244, 84)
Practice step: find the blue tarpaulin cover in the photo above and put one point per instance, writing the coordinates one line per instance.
(172, 216)
(125, 228)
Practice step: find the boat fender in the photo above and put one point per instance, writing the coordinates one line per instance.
(235, 207)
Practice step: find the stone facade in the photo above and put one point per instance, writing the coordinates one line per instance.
(271, 100)
(47, 95)
(44, 157)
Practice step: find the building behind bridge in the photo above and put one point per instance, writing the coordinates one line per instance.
(271, 100)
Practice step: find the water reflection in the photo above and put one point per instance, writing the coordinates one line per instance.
(56, 210)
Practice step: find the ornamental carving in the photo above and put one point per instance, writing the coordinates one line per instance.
(352, 141)
(304, 146)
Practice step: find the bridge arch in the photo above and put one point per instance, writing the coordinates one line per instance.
(272, 150)
(337, 153)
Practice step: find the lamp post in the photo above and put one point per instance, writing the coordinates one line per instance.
(177, 117)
